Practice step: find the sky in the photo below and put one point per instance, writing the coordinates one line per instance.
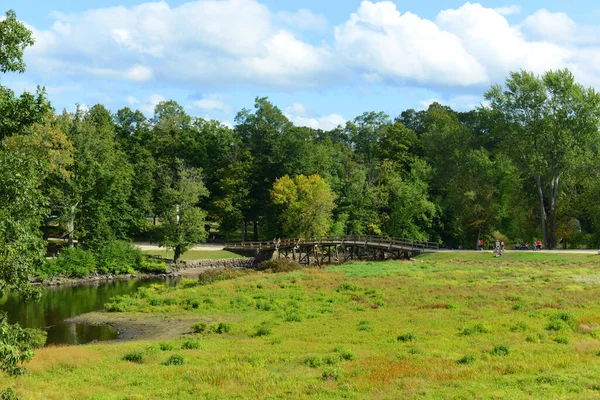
(321, 62)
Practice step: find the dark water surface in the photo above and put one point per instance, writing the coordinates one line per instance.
(62, 302)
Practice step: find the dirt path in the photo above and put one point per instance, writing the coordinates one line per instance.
(198, 247)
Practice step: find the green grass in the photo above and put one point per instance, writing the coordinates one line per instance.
(449, 325)
(195, 254)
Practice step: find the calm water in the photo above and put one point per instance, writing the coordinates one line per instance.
(62, 302)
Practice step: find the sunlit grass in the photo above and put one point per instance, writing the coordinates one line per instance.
(448, 325)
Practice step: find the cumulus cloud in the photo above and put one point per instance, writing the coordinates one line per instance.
(228, 42)
(300, 116)
(232, 43)
(211, 103)
(378, 39)
(508, 10)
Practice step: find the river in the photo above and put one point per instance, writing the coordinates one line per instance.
(59, 303)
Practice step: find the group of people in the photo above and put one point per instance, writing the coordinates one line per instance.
(499, 246)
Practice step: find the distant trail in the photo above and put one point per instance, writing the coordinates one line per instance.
(198, 247)
(556, 251)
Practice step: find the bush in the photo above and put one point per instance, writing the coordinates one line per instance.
(313, 361)
(344, 353)
(190, 345)
(561, 321)
(365, 326)
(165, 346)
(200, 327)
(407, 337)
(151, 265)
(120, 304)
(330, 374)
(134, 357)
(215, 275)
(175, 359)
(263, 329)
(519, 327)
(467, 360)
(119, 257)
(500, 350)
(562, 340)
(348, 287)
(221, 327)
(76, 262)
(482, 327)
(279, 265)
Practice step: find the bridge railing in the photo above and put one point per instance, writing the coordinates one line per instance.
(348, 239)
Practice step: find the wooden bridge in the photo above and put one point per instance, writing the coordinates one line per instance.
(333, 249)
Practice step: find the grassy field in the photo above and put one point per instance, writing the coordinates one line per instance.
(195, 254)
(449, 325)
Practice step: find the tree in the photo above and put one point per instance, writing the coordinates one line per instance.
(22, 204)
(307, 205)
(183, 221)
(549, 126)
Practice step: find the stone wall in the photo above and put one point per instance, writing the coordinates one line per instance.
(223, 263)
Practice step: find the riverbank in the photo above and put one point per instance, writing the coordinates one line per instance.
(180, 269)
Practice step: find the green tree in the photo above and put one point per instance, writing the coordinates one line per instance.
(307, 205)
(549, 126)
(183, 221)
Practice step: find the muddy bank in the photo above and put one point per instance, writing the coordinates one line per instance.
(134, 327)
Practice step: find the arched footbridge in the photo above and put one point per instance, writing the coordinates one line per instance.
(333, 249)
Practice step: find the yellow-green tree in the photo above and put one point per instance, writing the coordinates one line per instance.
(307, 205)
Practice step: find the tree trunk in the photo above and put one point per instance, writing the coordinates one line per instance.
(256, 231)
(551, 243)
(71, 225)
(177, 254)
(244, 230)
(538, 183)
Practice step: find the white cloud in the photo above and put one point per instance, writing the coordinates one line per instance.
(148, 105)
(226, 42)
(303, 19)
(132, 100)
(139, 73)
(378, 39)
(211, 104)
(458, 103)
(508, 10)
(300, 116)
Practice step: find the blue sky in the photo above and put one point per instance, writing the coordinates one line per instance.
(321, 62)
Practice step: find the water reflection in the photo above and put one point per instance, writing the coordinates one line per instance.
(62, 302)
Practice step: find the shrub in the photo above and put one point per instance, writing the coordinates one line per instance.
(190, 345)
(365, 326)
(215, 275)
(279, 265)
(519, 327)
(331, 374)
(313, 361)
(152, 265)
(562, 339)
(536, 338)
(9, 394)
(407, 337)
(292, 317)
(345, 354)
(120, 304)
(76, 262)
(263, 329)
(165, 346)
(200, 327)
(561, 321)
(221, 327)
(467, 360)
(500, 350)
(134, 357)
(481, 327)
(348, 287)
(118, 257)
(175, 359)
